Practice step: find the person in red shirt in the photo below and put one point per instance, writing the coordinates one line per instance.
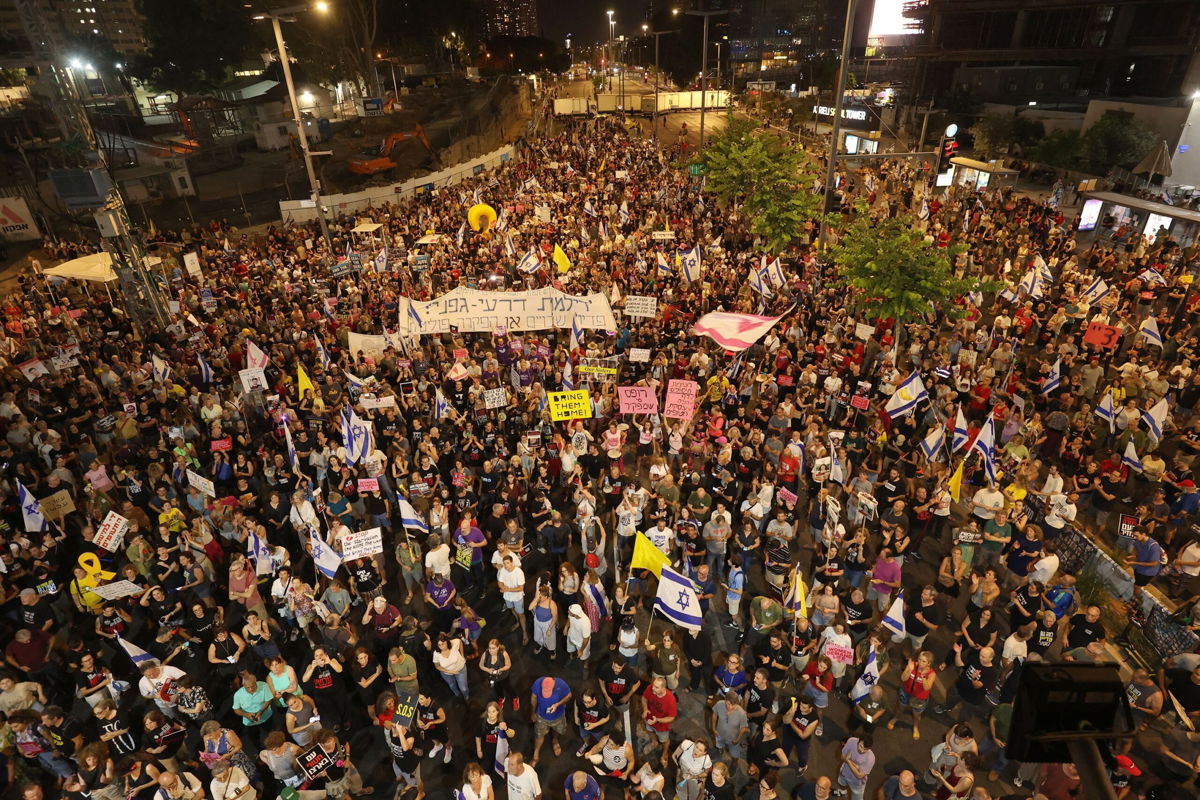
(661, 708)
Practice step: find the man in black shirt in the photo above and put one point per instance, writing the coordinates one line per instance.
(35, 612)
(978, 674)
(759, 699)
(63, 733)
(618, 683)
(1085, 628)
(1185, 686)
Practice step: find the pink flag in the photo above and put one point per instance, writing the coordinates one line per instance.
(255, 358)
(734, 331)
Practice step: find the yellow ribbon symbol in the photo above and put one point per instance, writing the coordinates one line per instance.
(90, 563)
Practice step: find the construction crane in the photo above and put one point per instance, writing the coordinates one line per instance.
(375, 161)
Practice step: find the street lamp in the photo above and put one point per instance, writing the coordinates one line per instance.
(704, 66)
(276, 16)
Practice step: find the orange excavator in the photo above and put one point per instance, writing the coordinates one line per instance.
(373, 161)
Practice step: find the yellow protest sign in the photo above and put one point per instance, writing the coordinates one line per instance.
(570, 405)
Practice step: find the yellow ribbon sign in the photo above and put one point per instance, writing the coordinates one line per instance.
(570, 405)
(94, 575)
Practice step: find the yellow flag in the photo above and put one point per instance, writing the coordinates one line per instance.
(560, 258)
(647, 556)
(796, 598)
(302, 381)
(956, 480)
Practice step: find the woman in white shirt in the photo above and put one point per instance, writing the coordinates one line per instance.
(449, 659)
(477, 784)
(230, 783)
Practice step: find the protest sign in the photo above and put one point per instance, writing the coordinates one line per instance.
(368, 484)
(361, 544)
(406, 709)
(314, 761)
(462, 556)
(637, 400)
(202, 483)
(1102, 335)
(192, 262)
(641, 306)
(254, 379)
(576, 404)
(117, 589)
(787, 496)
(111, 532)
(371, 401)
(478, 311)
(864, 332)
(681, 399)
(639, 354)
(57, 505)
(495, 398)
(839, 654)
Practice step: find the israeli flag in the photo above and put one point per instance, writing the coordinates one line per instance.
(893, 620)
(510, 249)
(1130, 457)
(357, 437)
(530, 263)
(662, 263)
(676, 600)
(354, 380)
(462, 234)
(588, 208)
(409, 517)
(775, 274)
(1156, 418)
(1043, 269)
(961, 433)
(1096, 292)
(1008, 295)
(1151, 275)
(530, 184)
(933, 443)
(759, 284)
(441, 408)
(257, 551)
(501, 762)
(413, 315)
(293, 458)
(137, 655)
(690, 261)
(870, 677)
(923, 213)
(162, 371)
(502, 220)
(568, 378)
(1054, 379)
(577, 333)
(602, 230)
(206, 372)
(325, 362)
(381, 261)
(31, 510)
(1149, 331)
(1107, 410)
(584, 236)
(324, 556)
(985, 443)
(623, 212)
(904, 400)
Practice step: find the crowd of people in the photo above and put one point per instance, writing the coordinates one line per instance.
(501, 642)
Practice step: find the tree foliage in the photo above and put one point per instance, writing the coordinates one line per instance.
(1061, 148)
(890, 270)
(194, 45)
(997, 134)
(1116, 139)
(770, 177)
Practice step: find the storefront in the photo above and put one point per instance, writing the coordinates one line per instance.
(980, 175)
(1107, 214)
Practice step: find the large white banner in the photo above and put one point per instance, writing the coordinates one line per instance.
(16, 223)
(476, 311)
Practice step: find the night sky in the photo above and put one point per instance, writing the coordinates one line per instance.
(586, 18)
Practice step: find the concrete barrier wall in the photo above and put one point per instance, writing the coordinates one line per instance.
(302, 210)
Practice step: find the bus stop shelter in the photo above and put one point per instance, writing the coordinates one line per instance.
(979, 175)
(1106, 213)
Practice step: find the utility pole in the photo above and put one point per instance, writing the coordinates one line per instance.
(839, 92)
(704, 66)
(657, 77)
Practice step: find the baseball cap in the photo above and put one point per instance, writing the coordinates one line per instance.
(1188, 484)
(1126, 763)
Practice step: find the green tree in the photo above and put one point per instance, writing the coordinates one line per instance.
(993, 134)
(194, 45)
(1061, 148)
(889, 270)
(1116, 139)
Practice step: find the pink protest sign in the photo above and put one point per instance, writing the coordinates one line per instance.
(368, 484)
(839, 654)
(637, 400)
(786, 496)
(681, 399)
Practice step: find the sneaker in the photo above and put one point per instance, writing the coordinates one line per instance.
(449, 752)
(1017, 782)
(939, 710)
(820, 729)
(433, 751)
(839, 792)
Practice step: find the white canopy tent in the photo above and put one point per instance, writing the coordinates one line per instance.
(97, 268)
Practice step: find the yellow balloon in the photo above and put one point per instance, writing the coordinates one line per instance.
(481, 217)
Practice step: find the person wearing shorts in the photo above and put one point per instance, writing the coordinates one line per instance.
(551, 697)
(661, 710)
(511, 580)
(916, 682)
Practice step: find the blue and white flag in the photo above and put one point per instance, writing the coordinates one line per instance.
(962, 434)
(381, 260)
(1096, 292)
(588, 208)
(904, 400)
(893, 620)
(1156, 418)
(530, 262)
(257, 550)
(623, 212)
(206, 371)
(410, 518)
(1054, 379)
(441, 408)
(1151, 275)
(354, 380)
(501, 762)
(602, 229)
(293, 458)
(933, 443)
(31, 510)
(1107, 410)
(530, 184)
(577, 333)
(568, 378)
(584, 236)
(357, 437)
(759, 283)
(692, 266)
(774, 274)
(510, 249)
(502, 220)
(325, 362)
(1130, 457)
(923, 212)
(597, 596)
(676, 600)
(985, 443)
(160, 368)
(1008, 295)
(137, 655)
(462, 234)
(1149, 331)
(324, 556)
(413, 315)
(869, 677)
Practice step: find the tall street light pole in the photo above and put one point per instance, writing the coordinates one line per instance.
(276, 16)
(657, 76)
(704, 66)
(839, 92)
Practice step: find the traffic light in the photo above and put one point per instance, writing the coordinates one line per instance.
(947, 150)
